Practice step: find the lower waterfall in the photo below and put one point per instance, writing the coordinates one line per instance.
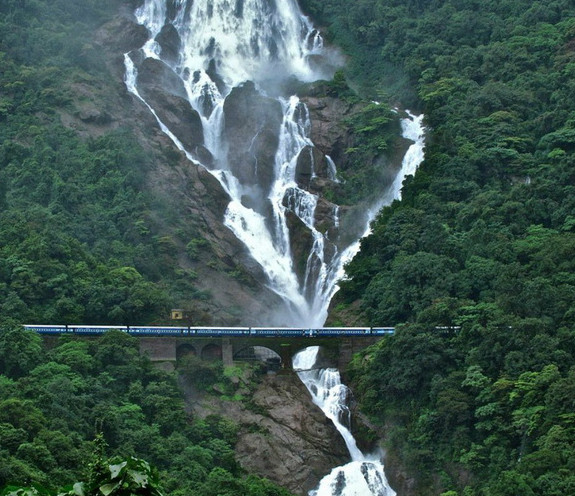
(364, 475)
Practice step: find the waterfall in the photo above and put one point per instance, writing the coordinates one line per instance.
(210, 57)
(363, 476)
(412, 129)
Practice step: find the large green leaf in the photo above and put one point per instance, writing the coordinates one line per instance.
(116, 470)
(107, 489)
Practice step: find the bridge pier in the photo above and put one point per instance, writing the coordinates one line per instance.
(227, 352)
(286, 355)
(159, 349)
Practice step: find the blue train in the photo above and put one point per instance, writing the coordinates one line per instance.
(294, 332)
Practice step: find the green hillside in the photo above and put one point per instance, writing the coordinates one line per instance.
(484, 239)
(84, 239)
(76, 411)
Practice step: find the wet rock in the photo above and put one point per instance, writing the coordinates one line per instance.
(312, 170)
(203, 155)
(165, 92)
(283, 436)
(169, 40)
(328, 132)
(153, 74)
(301, 243)
(252, 123)
(121, 35)
(327, 218)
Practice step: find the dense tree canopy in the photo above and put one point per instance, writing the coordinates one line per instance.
(482, 240)
(83, 237)
(97, 412)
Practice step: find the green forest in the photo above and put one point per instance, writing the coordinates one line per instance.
(475, 266)
(83, 240)
(96, 418)
(477, 262)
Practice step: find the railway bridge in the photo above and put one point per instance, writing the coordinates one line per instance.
(166, 345)
(276, 351)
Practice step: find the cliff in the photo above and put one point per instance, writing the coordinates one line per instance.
(282, 435)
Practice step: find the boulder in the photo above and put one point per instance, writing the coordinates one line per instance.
(169, 40)
(121, 35)
(328, 132)
(301, 243)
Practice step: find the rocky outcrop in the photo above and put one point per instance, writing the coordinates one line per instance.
(328, 132)
(121, 34)
(199, 200)
(186, 198)
(301, 243)
(252, 123)
(283, 436)
(165, 92)
(169, 41)
(226, 285)
(312, 169)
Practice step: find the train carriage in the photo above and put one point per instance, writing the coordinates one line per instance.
(278, 331)
(344, 331)
(47, 329)
(94, 329)
(156, 330)
(219, 331)
(382, 331)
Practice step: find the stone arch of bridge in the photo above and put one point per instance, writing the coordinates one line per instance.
(184, 350)
(336, 352)
(286, 348)
(211, 351)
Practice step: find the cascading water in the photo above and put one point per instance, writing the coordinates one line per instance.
(363, 476)
(412, 129)
(204, 59)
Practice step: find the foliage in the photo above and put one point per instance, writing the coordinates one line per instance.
(56, 400)
(127, 477)
(483, 239)
(118, 478)
(83, 238)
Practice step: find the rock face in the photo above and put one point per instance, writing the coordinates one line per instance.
(328, 132)
(287, 439)
(164, 91)
(169, 41)
(252, 124)
(186, 197)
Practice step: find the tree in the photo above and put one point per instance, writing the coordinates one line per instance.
(20, 350)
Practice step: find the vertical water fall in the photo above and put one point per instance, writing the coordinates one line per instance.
(364, 475)
(214, 74)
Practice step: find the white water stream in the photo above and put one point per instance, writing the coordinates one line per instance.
(222, 44)
(364, 475)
